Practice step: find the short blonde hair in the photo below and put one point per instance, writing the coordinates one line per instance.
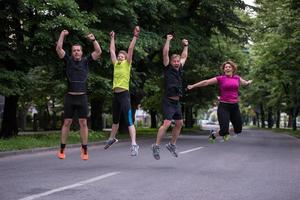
(124, 53)
(230, 62)
(175, 56)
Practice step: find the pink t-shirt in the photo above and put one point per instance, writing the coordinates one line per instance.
(229, 87)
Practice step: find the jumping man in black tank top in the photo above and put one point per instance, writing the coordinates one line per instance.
(76, 98)
(173, 92)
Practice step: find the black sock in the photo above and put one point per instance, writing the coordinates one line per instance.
(84, 146)
(62, 146)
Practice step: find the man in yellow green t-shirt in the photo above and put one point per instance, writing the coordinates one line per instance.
(121, 97)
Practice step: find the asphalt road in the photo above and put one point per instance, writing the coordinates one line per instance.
(258, 165)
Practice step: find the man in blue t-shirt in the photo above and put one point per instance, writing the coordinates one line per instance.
(76, 97)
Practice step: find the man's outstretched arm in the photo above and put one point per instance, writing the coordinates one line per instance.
(97, 49)
(166, 48)
(59, 46)
(184, 53)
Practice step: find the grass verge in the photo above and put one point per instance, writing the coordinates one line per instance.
(287, 131)
(52, 139)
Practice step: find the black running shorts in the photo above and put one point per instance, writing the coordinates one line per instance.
(171, 109)
(75, 103)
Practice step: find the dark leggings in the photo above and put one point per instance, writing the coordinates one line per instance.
(229, 112)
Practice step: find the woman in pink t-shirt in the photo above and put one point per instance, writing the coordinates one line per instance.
(228, 109)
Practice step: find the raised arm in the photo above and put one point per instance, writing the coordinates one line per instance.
(203, 83)
(244, 82)
(112, 48)
(184, 54)
(97, 49)
(136, 33)
(59, 46)
(166, 48)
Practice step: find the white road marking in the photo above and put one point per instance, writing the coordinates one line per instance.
(188, 151)
(70, 186)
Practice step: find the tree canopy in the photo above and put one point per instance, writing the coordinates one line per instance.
(217, 30)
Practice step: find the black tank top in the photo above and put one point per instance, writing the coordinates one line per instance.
(77, 73)
(173, 81)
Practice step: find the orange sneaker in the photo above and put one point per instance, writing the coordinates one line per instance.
(61, 154)
(84, 154)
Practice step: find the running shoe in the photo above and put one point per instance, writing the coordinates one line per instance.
(155, 151)
(110, 142)
(226, 137)
(212, 137)
(84, 154)
(61, 154)
(172, 149)
(134, 150)
(236, 134)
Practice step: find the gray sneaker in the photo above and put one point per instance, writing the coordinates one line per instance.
(172, 149)
(134, 150)
(155, 151)
(236, 134)
(110, 142)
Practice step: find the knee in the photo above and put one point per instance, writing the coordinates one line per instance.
(67, 123)
(83, 123)
(166, 125)
(179, 124)
(115, 125)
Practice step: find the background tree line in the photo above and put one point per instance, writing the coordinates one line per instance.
(217, 30)
(275, 62)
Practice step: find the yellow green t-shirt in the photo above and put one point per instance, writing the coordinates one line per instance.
(121, 75)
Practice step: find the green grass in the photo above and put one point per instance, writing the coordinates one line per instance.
(287, 131)
(52, 139)
(45, 140)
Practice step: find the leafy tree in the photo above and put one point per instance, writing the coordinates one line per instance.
(28, 37)
(276, 54)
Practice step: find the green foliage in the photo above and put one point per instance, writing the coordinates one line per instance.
(216, 31)
(276, 54)
(13, 82)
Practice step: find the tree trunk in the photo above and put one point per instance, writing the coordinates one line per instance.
(262, 113)
(295, 114)
(254, 120)
(278, 119)
(35, 125)
(257, 119)
(290, 119)
(44, 119)
(54, 121)
(188, 116)
(96, 114)
(9, 126)
(153, 114)
(22, 118)
(54, 117)
(270, 118)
